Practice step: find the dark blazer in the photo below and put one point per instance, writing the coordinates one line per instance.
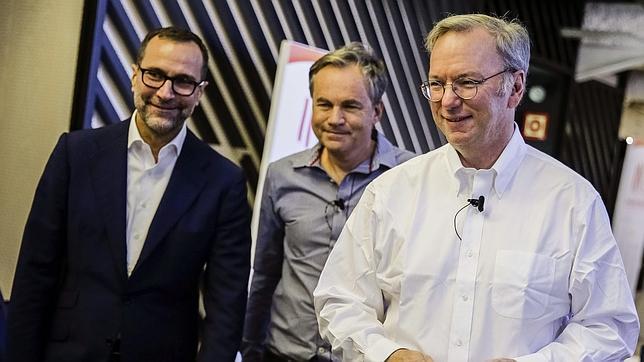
(72, 298)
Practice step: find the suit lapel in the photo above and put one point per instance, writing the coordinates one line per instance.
(184, 186)
(109, 176)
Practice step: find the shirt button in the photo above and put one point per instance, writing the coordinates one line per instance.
(470, 253)
(137, 236)
(465, 298)
(321, 350)
(458, 343)
(143, 205)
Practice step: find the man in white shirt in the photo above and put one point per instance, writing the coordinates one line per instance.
(484, 249)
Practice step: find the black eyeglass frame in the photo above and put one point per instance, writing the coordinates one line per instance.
(171, 79)
(424, 86)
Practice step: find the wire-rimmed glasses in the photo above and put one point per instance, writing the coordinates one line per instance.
(465, 88)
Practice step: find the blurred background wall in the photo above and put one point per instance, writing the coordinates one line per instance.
(38, 54)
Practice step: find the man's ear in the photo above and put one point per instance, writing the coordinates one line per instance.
(134, 68)
(379, 110)
(200, 89)
(517, 89)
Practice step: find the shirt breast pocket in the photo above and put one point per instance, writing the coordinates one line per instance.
(522, 284)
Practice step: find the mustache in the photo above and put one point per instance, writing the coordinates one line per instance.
(330, 128)
(155, 101)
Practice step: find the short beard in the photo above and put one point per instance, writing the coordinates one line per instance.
(161, 127)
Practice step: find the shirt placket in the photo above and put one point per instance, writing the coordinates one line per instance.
(463, 309)
(143, 191)
(340, 208)
(337, 213)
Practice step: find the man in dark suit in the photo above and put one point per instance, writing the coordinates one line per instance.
(127, 221)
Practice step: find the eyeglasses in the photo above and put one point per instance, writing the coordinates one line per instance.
(181, 85)
(464, 88)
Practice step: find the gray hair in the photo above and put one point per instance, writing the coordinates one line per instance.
(512, 39)
(373, 68)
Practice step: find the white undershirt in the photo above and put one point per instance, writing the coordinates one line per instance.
(146, 183)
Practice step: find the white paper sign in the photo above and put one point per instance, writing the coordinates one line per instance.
(289, 123)
(628, 218)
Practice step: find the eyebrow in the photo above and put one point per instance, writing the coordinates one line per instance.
(177, 76)
(459, 76)
(344, 103)
(351, 102)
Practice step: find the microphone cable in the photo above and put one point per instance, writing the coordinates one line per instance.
(478, 203)
(455, 215)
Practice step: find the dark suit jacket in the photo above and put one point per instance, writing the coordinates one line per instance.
(72, 297)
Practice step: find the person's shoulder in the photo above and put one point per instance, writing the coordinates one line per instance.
(410, 172)
(286, 164)
(95, 138)
(108, 129)
(392, 153)
(402, 155)
(301, 157)
(424, 160)
(555, 171)
(218, 166)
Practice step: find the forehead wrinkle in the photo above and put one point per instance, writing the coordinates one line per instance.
(470, 54)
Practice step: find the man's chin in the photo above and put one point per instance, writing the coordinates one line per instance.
(332, 144)
(458, 138)
(162, 126)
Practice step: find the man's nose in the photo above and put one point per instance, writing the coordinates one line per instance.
(450, 99)
(166, 90)
(337, 116)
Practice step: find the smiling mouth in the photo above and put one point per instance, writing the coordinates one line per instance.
(339, 133)
(162, 108)
(455, 119)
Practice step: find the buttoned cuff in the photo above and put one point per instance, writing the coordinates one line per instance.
(381, 349)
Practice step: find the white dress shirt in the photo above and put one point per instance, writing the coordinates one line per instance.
(537, 275)
(146, 183)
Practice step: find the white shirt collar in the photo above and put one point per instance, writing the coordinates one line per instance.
(503, 169)
(508, 162)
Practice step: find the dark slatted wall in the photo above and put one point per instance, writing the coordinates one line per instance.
(588, 141)
(544, 19)
(590, 145)
(244, 36)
